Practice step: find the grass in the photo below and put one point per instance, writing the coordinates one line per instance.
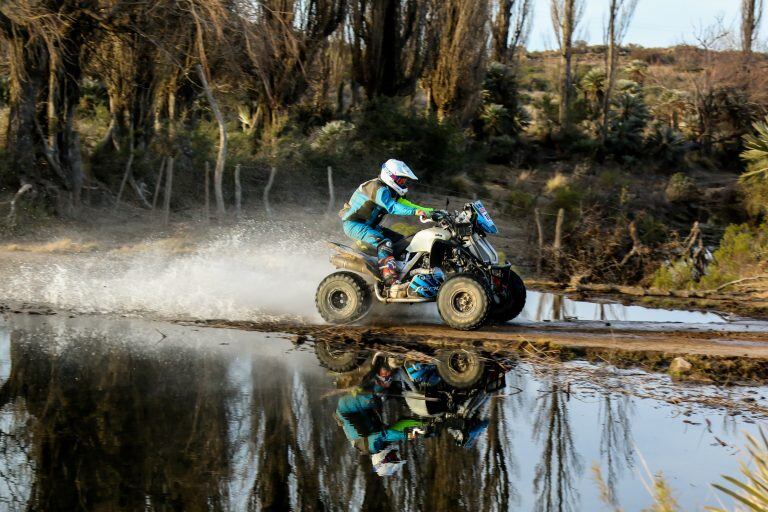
(752, 491)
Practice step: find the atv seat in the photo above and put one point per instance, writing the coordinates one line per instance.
(398, 247)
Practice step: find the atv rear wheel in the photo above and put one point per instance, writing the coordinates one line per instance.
(464, 302)
(513, 296)
(460, 368)
(338, 358)
(343, 297)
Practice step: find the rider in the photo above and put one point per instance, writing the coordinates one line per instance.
(362, 215)
(360, 414)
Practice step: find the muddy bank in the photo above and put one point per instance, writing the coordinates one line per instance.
(715, 356)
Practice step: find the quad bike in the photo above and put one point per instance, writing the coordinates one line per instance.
(458, 367)
(451, 263)
(445, 391)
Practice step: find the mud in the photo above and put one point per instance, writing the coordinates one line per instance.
(716, 356)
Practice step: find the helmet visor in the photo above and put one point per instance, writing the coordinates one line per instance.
(401, 181)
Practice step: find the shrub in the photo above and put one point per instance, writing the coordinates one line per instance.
(665, 145)
(681, 188)
(677, 275)
(743, 251)
(626, 125)
(332, 138)
(755, 180)
(520, 200)
(432, 147)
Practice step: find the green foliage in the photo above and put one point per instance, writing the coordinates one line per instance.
(636, 70)
(501, 118)
(567, 197)
(651, 230)
(333, 138)
(752, 491)
(389, 130)
(677, 275)
(520, 200)
(5, 90)
(545, 116)
(755, 179)
(593, 82)
(628, 118)
(612, 179)
(665, 145)
(742, 252)
(681, 188)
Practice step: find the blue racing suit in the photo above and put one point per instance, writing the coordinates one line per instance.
(360, 417)
(365, 210)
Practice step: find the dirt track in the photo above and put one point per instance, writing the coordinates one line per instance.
(642, 337)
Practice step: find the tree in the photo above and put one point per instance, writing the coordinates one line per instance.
(511, 15)
(389, 49)
(565, 17)
(455, 76)
(751, 14)
(281, 39)
(619, 15)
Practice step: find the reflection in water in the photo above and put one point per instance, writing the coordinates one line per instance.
(542, 306)
(114, 415)
(559, 463)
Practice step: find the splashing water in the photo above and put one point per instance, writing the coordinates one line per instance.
(252, 271)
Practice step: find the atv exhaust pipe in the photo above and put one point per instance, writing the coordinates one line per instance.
(355, 265)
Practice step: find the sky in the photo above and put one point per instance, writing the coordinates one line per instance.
(655, 23)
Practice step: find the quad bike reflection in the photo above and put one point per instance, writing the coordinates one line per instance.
(394, 397)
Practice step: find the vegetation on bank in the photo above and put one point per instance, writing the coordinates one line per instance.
(641, 149)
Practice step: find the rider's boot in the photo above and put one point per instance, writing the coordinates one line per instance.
(388, 269)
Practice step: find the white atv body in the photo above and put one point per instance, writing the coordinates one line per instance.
(473, 286)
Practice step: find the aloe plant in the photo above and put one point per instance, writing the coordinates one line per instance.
(755, 153)
(752, 492)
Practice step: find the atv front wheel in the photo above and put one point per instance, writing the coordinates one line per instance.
(512, 302)
(343, 297)
(460, 368)
(464, 302)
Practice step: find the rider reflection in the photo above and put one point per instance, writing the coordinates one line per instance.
(360, 414)
(426, 406)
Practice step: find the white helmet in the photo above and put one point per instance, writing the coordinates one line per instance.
(396, 174)
(387, 462)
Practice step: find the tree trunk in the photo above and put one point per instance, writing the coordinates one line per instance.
(168, 191)
(218, 173)
(610, 67)
(566, 51)
(501, 31)
(751, 12)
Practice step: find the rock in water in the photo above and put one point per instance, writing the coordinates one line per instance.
(679, 366)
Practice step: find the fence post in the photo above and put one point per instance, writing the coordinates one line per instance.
(238, 191)
(559, 230)
(558, 238)
(331, 194)
(207, 211)
(158, 182)
(267, 207)
(168, 190)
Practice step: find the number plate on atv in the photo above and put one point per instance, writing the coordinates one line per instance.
(483, 219)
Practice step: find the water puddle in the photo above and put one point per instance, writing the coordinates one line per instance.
(548, 307)
(117, 414)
